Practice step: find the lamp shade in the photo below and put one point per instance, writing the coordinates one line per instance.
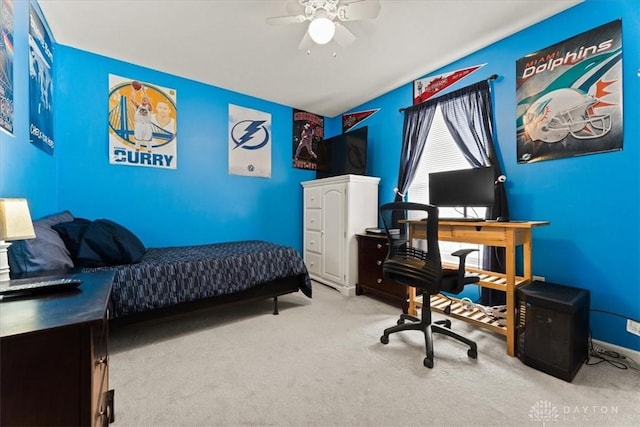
(15, 220)
(321, 30)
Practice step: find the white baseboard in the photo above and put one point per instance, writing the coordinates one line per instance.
(347, 291)
(632, 354)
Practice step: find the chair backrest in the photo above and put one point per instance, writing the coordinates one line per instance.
(409, 262)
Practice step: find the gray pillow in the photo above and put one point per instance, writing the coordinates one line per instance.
(46, 252)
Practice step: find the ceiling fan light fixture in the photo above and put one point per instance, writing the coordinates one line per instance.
(321, 30)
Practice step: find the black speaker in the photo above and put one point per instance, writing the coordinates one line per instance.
(552, 332)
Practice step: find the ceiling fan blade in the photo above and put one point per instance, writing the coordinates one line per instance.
(294, 8)
(284, 20)
(343, 36)
(306, 43)
(359, 9)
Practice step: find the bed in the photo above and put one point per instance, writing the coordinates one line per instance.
(170, 276)
(152, 279)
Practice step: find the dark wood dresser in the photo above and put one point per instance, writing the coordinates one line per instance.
(372, 250)
(54, 366)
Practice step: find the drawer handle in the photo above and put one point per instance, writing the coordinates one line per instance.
(379, 262)
(105, 413)
(379, 245)
(379, 280)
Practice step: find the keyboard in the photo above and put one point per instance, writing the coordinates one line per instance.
(465, 219)
(41, 286)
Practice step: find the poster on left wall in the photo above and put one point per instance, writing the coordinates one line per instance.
(6, 65)
(40, 84)
(142, 124)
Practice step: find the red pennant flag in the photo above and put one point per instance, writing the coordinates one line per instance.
(424, 89)
(352, 119)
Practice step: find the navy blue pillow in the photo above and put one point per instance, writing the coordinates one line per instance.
(46, 252)
(71, 234)
(105, 242)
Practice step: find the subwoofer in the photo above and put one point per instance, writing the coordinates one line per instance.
(552, 333)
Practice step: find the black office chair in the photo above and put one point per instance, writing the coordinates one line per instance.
(410, 264)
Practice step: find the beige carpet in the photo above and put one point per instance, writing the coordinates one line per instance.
(320, 363)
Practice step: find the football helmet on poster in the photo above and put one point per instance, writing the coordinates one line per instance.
(565, 112)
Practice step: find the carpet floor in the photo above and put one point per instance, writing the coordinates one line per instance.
(320, 363)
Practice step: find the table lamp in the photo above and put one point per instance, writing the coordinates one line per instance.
(15, 224)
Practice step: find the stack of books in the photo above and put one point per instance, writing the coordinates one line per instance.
(392, 231)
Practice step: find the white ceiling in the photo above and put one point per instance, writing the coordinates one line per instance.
(227, 43)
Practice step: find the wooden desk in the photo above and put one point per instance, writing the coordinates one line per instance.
(508, 235)
(54, 358)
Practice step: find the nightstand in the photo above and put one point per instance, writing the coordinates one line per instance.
(54, 354)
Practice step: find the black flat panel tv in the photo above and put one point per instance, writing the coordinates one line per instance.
(342, 154)
(473, 187)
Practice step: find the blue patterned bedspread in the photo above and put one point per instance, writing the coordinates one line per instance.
(168, 276)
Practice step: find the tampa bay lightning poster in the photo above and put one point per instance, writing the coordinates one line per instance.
(40, 84)
(569, 97)
(249, 142)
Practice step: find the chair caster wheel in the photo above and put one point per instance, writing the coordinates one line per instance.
(428, 363)
(472, 353)
(384, 339)
(447, 324)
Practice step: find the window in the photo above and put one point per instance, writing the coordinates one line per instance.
(442, 154)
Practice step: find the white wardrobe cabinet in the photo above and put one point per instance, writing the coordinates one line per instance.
(335, 210)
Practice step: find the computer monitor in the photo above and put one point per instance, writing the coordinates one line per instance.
(474, 187)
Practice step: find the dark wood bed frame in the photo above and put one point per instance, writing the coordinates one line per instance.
(272, 289)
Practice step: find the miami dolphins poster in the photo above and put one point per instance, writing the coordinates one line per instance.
(569, 97)
(6, 65)
(142, 124)
(249, 142)
(40, 84)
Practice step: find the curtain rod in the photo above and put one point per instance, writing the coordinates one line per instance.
(490, 78)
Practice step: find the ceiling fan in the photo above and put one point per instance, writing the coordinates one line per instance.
(322, 14)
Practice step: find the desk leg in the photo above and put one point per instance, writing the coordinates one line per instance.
(526, 257)
(510, 270)
(413, 309)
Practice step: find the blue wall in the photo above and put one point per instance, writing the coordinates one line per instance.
(199, 202)
(592, 201)
(25, 171)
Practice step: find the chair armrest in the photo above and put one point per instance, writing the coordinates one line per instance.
(462, 254)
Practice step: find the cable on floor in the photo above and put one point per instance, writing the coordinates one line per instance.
(599, 354)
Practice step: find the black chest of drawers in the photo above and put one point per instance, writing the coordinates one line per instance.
(372, 251)
(54, 356)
